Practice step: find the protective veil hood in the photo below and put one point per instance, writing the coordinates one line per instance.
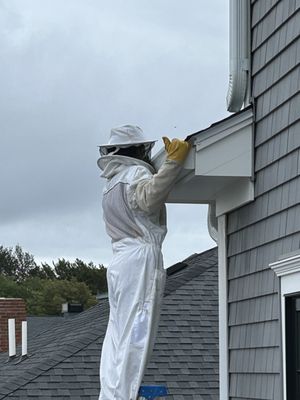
(111, 165)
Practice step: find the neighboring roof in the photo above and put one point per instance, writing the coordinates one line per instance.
(37, 325)
(64, 361)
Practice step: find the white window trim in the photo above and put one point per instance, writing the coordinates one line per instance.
(288, 271)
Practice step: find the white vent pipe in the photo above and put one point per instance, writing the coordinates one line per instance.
(11, 338)
(24, 338)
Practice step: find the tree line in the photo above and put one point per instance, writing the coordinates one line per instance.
(45, 287)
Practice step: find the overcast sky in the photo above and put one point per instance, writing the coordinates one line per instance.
(71, 70)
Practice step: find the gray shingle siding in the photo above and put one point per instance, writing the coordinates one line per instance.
(260, 232)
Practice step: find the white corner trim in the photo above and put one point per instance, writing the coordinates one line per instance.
(288, 271)
(286, 266)
(239, 53)
(223, 310)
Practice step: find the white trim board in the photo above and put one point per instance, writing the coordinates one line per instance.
(223, 310)
(219, 167)
(288, 271)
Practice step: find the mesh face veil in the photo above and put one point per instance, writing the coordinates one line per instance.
(139, 151)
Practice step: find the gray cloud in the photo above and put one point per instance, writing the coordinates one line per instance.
(69, 72)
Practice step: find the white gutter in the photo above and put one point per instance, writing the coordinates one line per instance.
(239, 53)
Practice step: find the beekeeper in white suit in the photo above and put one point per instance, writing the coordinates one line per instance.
(134, 215)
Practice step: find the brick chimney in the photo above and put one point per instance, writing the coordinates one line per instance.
(11, 308)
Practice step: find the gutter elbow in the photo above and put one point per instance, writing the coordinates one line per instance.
(237, 87)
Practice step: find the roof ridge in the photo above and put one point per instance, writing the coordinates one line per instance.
(203, 253)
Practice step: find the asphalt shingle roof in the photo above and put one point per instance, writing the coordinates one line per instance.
(63, 362)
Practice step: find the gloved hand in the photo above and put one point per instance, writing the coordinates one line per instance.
(177, 150)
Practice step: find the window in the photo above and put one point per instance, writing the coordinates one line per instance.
(292, 334)
(288, 271)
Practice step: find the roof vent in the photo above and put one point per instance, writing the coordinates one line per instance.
(69, 309)
(176, 268)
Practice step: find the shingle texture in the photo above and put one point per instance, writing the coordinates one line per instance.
(64, 361)
(261, 231)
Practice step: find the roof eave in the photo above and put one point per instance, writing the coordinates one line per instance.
(219, 168)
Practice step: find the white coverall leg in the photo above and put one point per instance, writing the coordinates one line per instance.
(134, 214)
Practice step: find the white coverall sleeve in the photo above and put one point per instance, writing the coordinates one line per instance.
(151, 193)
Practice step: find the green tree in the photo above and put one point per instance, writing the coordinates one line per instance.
(10, 288)
(45, 296)
(55, 293)
(16, 263)
(94, 277)
(25, 263)
(8, 263)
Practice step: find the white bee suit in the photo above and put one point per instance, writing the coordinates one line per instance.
(134, 215)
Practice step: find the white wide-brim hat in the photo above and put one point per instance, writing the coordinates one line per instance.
(126, 136)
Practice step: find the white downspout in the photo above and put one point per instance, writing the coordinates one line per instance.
(217, 230)
(223, 310)
(212, 222)
(239, 54)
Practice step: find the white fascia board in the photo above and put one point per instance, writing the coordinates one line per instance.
(226, 149)
(239, 193)
(219, 166)
(226, 127)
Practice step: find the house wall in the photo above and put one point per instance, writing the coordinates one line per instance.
(270, 226)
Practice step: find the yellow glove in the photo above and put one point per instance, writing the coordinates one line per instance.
(177, 150)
